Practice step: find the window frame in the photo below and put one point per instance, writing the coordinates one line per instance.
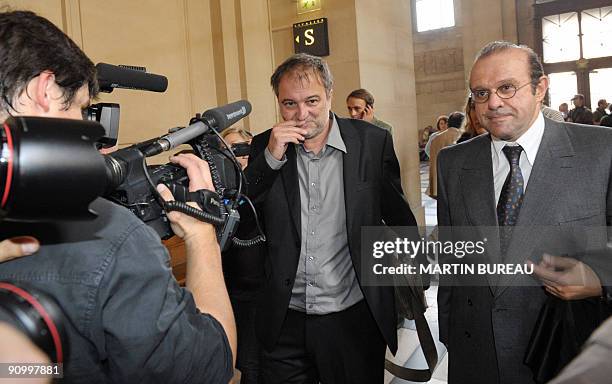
(582, 66)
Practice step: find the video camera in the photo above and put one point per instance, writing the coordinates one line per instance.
(132, 183)
(49, 168)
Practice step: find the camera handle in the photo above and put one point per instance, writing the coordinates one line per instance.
(183, 207)
(208, 201)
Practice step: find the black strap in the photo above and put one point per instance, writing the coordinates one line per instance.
(208, 201)
(427, 345)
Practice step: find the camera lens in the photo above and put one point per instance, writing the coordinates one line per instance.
(37, 315)
(7, 149)
(49, 168)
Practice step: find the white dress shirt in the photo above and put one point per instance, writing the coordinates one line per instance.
(530, 141)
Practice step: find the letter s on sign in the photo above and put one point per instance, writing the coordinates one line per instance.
(309, 37)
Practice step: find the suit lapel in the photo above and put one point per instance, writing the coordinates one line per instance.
(477, 187)
(478, 194)
(351, 170)
(290, 177)
(555, 156)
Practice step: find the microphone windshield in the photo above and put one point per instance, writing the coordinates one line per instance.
(222, 117)
(113, 76)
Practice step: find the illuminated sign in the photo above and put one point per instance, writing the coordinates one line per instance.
(304, 6)
(311, 37)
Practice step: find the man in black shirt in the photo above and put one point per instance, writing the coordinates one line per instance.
(580, 114)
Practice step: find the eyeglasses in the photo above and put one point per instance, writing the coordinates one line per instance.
(505, 91)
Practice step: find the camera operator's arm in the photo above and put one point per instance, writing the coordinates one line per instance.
(17, 246)
(204, 272)
(17, 348)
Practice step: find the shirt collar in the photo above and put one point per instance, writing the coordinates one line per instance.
(530, 140)
(335, 138)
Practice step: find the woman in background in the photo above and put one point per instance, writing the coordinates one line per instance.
(441, 125)
(471, 126)
(243, 269)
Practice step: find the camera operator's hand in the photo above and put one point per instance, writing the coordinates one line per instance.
(198, 172)
(204, 272)
(289, 131)
(17, 246)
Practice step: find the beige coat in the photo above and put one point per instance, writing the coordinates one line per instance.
(444, 139)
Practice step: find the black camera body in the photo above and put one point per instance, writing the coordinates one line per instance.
(130, 187)
(131, 184)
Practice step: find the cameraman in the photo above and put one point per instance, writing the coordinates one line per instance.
(129, 321)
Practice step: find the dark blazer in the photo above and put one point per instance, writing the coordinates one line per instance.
(373, 194)
(487, 325)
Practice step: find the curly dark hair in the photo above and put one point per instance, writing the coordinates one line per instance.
(30, 45)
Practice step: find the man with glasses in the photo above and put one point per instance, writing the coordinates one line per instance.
(543, 174)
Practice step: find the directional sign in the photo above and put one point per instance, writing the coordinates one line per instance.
(311, 37)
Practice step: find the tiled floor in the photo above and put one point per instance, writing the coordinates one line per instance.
(409, 353)
(431, 218)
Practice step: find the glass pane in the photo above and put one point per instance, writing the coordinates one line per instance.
(562, 88)
(560, 37)
(600, 80)
(596, 32)
(434, 14)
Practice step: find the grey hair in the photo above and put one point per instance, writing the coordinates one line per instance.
(303, 62)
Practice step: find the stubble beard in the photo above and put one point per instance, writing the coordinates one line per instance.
(314, 132)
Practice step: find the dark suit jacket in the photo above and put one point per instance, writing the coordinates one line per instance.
(487, 324)
(373, 193)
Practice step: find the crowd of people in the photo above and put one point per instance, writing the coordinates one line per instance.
(296, 309)
(581, 114)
